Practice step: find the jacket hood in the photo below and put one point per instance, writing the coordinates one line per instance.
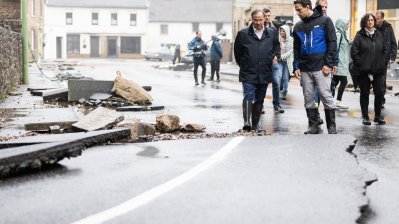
(340, 24)
(317, 12)
(287, 30)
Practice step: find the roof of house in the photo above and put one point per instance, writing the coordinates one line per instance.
(191, 11)
(99, 3)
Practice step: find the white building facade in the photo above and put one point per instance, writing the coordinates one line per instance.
(95, 28)
(175, 22)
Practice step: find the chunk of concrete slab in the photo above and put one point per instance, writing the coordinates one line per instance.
(85, 137)
(60, 95)
(85, 88)
(18, 159)
(56, 129)
(42, 119)
(37, 92)
(99, 119)
(140, 108)
(131, 91)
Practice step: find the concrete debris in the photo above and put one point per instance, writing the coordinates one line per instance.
(192, 128)
(140, 130)
(56, 129)
(167, 123)
(140, 108)
(56, 95)
(99, 119)
(15, 93)
(100, 96)
(40, 120)
(33, 157)
(131, 91)
(79, 89)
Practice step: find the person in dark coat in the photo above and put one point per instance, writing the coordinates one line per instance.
(386, 30)
(256, 49)
(315, 46)
(216, 55)
(177, 54)
(198, 46)
(369, 55)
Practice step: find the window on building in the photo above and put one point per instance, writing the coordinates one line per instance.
(219, 26)
(114, 19)
(33, 40)
(69, 18)
(33, 9)
(133, 19)
(164, 29)
(195, 27)
(94, 18)
(73, 43)
(130, 45)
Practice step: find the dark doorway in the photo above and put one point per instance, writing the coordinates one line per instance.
(94, 46)
(59, 48)
(112, 47)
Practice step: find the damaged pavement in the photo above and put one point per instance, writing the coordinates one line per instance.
(280, 179)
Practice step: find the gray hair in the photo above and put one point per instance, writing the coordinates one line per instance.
(256, 11)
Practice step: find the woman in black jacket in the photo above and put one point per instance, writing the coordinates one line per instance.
(369, 57)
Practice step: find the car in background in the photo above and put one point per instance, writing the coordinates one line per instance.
(188, 58)
(160, 54)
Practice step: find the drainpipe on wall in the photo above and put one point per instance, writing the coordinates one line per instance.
(25, 45)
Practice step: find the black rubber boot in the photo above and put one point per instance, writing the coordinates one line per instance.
(196, 78)
(313, 123)
(330, 119)
(247, 113)
(256, 113)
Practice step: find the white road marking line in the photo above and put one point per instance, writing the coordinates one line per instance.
(155, 192)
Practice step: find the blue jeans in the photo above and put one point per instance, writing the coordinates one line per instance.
(285, 75)
(254, 92)
(276, 84)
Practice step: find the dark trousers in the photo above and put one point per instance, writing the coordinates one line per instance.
(342, 81)
(199, 61)
(215, 67)
(176, 57)
(254, 92)
(378, 89)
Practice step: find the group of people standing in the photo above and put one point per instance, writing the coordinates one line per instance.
(318, 54)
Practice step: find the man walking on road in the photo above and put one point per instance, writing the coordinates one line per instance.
(315, 46)
(216, 55)
(386, 30)
(256, 49)
(198, 46)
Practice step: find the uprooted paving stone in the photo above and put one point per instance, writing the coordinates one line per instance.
(192, 128)
(99, 119)
(140, 130)
(31, 154)
(79, 89)
(131, 91)
(167, 123)
(140, 108)
(281, 179)
(55, 95)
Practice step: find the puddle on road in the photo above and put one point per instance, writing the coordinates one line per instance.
(149, 151)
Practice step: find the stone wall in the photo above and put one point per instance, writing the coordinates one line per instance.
(10, 61)
(10, 14)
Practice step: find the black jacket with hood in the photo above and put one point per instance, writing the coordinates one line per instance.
(255, 56)
(369, 53)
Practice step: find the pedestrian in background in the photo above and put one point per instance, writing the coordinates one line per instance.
(216, 55)
(386, 30)
(287, 58)
(177, 54)
(369, 55)
(198, 46)
(315, 46)
(340, 77)
(276, 78)
(256, 49)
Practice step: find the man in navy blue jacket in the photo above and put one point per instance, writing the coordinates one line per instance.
(315, 46)
(256, 49)
(216, 55)
(198, 46)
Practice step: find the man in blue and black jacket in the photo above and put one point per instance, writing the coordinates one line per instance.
(315, 46)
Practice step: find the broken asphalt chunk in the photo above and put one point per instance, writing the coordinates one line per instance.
(56, 95)
(99, 119)
(140, 108)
